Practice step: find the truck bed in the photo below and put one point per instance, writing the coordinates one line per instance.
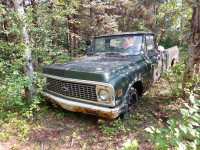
(172, 54)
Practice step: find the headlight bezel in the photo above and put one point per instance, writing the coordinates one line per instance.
(110, 100)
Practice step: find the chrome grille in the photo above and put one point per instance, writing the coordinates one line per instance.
(77, 90)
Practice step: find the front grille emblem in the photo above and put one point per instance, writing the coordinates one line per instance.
(64, 89)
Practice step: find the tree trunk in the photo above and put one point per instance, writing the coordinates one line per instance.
(5, 24)
(34, 11)
(71, 36)
(53, 24)
(68, 34)
(193, 59)
(92, 16)
(28, 68)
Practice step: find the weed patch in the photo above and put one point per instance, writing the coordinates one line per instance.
(111, 129)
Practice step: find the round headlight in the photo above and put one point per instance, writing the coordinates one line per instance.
(103, 94)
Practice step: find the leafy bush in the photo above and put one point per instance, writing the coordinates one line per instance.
(183, 133)
(174, 77)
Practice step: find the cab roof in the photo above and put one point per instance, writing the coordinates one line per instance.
(124, 33)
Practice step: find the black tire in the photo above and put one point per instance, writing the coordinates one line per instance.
(131, 101)
(172, 63)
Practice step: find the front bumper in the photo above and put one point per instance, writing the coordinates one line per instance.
(74, 106)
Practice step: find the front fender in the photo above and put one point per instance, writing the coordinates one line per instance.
(124, 81)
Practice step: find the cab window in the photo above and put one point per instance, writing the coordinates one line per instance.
(150, 42)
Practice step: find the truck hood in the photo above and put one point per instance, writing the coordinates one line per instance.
(95, 68)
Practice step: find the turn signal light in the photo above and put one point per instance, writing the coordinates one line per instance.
(119, 93)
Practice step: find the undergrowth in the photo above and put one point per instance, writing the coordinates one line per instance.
(112, 128)
(183, 132)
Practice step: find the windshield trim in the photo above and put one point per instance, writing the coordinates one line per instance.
(90, 51)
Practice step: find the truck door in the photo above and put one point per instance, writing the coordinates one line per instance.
(155, 58)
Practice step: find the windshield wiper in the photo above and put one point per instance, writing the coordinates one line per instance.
(112, 53)
(92, 54)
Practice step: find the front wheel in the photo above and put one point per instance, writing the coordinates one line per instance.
(131, 100)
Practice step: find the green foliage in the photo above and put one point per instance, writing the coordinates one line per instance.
(82, 49)
(134, 121)
(130, 145)
(22, 128)
(174, 78)
(60, 116)
(63, 58)
(4, 136)
(172, 20)
(167, 41)
(14, 146)
(12, 60)
(183, 133)
(72, 116)
(43, 26)
(48, 32)
(182, 54)
(109, 131)
(13, 81)
(112, 128)
(13, 125)
(63, 139)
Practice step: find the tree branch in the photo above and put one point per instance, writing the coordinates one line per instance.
(190, 1)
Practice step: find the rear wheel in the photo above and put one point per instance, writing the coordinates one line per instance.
(132, 101)
(172, 63)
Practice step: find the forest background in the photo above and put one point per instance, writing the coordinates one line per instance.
(37, 33)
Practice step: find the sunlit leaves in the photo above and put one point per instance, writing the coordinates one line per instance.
(173, 16)
(133, 145)
(182, 133)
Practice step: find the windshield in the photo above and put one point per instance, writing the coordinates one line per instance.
(130, 44)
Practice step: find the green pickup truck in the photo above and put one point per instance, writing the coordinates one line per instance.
(108, 80)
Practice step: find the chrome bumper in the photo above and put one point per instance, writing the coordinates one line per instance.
(83, 107)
